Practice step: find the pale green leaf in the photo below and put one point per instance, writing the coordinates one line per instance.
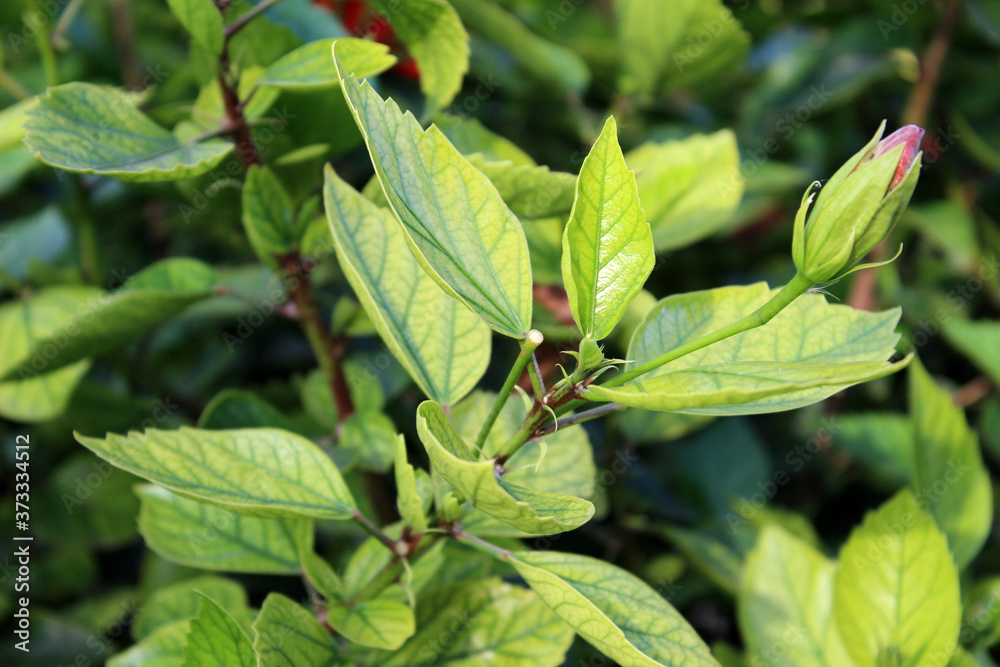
(27, 396)
(549, 63)
(695, 42)
(689, 188)
(94, 129)
(607, 244)
(378, 623)
(163, 648)
(408, 500)
(455, 220)
(287, 635)
(434, 36)
(268, 215)
(618, 613)
(896, 593)
(203, 21)
(210, 537)
(443, 346)
(788, 585)
(979, 341)
(310, 66)
(215, 639)
(179, 602)
(949, 478)
(479, 481)
(566, 468)
(530, 191)
(154, 295)
(12, 120)
(810, 350)
(260, 472)
(486, 623)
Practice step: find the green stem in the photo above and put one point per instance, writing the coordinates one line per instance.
(13, 86)
(528, 346)
(580, 417)
(538, 415)
(58, 36)
(794, 289)
(375, 531)
(86, 228)
(481, 544)
(45, 50)
(253, 13)
(535, 373)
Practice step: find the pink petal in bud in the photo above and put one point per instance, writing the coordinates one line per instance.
(910, 136)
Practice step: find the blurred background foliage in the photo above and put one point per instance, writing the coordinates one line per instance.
(795, 87)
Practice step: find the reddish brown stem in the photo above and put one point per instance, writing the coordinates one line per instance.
(236, 124)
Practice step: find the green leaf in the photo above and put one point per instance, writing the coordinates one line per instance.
(163, 648)
(94, 129)
(607, 244)
(715, 559)
(260, 472)
(896, 597)
(530, 191)
(203, 20)
(215, 639)
(566, 467)
(978, 341)
(614, 610)
(528, 510)
(697, 41)
(810, 350)
(443, 346)
(384, 624)
(372, 436)
(786, 599)
(154, 295)
(434, 35)
(237, 408)
(287, 635)
(179, 602)
(27, 396)
(484, 622)
(949, 478)
(689, 188)
(470, 136)
(309, 66)
(549, 63)
(213, 538)
(455, 220)
(12, 120)
(42, 237)
(881, 442)
(408, 500)
(980, 621)
(268, 215)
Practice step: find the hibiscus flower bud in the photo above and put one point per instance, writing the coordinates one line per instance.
(858, 206)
